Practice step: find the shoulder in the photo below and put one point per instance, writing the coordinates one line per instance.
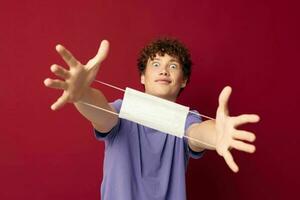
(192, 118)
(117, 104)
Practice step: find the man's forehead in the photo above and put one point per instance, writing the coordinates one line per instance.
(160, 57)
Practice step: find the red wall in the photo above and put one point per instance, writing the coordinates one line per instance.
(251, 45)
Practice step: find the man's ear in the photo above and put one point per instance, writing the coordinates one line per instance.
(183, 84)
(143, 79)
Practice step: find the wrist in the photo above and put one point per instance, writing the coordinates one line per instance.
(86, 95)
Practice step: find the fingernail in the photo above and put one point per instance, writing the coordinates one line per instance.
(58, 47)
(53, 67)
(46, 82)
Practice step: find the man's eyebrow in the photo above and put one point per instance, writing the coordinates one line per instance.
(174, 60)
(155, 59)
(171, 60)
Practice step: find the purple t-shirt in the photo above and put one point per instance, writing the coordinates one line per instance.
(144, 164)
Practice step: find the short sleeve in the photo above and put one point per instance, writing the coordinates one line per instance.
(195, 154)
(110, 134)
(191, 119)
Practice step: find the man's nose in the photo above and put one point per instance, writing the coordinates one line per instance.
(164, 71)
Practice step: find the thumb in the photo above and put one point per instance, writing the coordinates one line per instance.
(224, 98)
(101, 54)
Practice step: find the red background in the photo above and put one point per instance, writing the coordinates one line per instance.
(251, 45)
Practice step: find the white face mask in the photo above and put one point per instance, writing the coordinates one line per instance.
(154, 112)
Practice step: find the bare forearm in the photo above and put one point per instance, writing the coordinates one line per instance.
(101, 120)
(205, 132)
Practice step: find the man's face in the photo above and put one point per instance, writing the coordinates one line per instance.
(163, 77)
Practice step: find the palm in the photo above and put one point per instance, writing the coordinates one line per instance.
(78, 78)
(227, 135)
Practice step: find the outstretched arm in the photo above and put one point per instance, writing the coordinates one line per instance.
(222, 133)
(76, 87)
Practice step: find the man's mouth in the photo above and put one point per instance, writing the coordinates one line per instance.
(163, 81)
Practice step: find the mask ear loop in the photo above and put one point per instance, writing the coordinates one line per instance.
(117, 114)
(117, 88)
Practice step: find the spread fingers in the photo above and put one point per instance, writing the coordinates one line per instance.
(60, 71)
(56, 84)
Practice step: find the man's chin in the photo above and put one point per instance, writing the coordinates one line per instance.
(163, 95)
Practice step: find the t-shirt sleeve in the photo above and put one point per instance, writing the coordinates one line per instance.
(110, 134)
(191, 119)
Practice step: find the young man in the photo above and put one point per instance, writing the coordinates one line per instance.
(140, 162)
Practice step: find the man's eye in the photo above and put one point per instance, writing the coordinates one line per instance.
(173, 66)
(155, 64)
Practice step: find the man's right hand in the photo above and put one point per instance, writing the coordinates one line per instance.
(78, 78)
